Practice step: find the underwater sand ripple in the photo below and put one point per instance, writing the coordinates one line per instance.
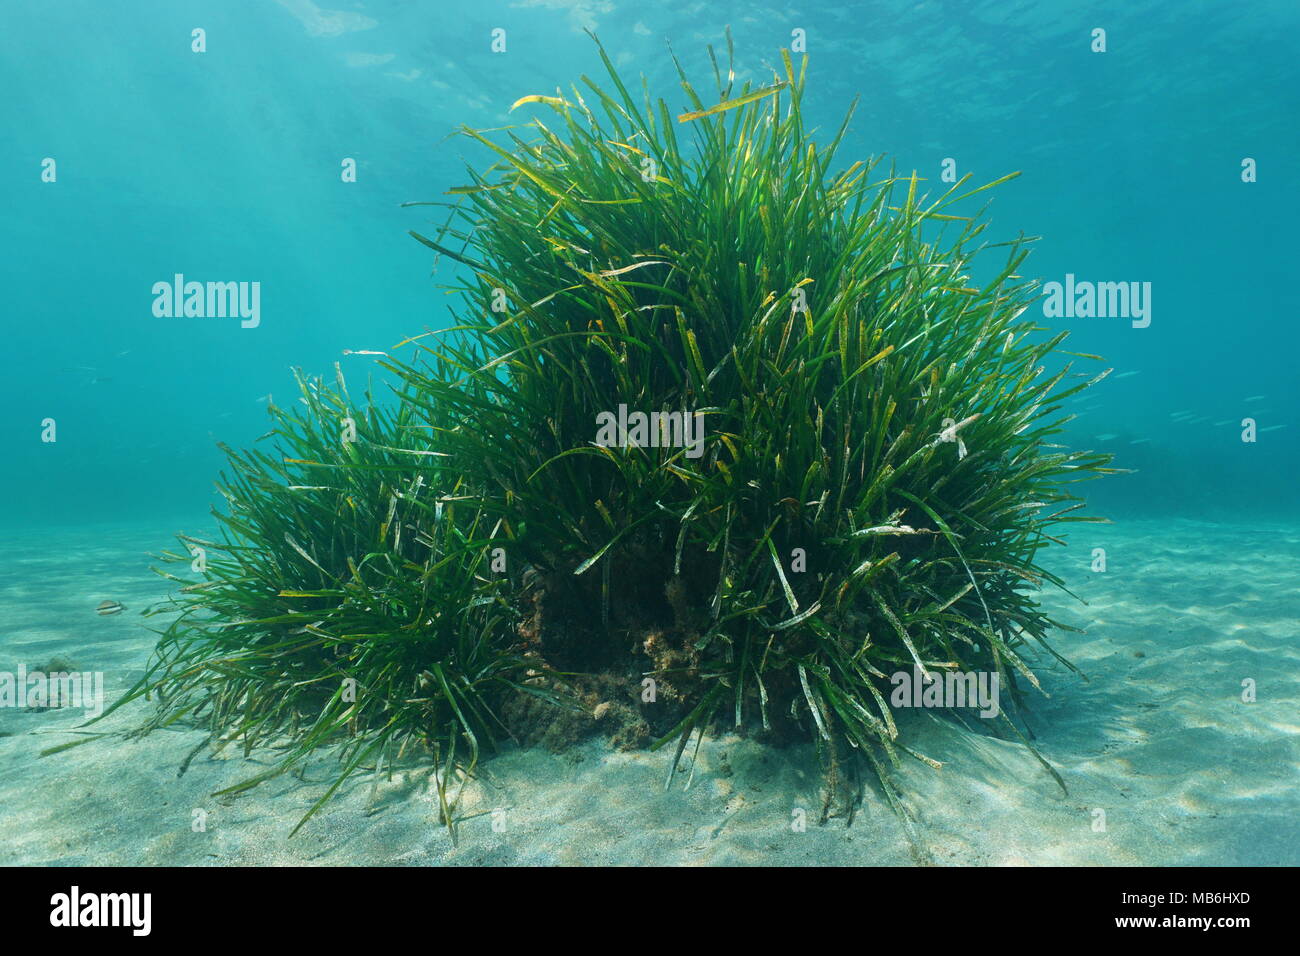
(1185, 771)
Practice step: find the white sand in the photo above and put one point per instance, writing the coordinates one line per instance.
(1185, 771)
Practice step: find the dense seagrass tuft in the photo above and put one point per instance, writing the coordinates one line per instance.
(856, 474)
(877, 473)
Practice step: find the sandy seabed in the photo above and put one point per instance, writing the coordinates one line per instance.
(1158, 738)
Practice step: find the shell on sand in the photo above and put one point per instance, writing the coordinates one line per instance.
(110, 607)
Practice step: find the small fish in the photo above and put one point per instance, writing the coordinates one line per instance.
(1255, 398)
(1126, 374)
(110, 607)
(1226, 421)
(1271, 428)
(1105, 436)
(1139, 441)
(362, 352)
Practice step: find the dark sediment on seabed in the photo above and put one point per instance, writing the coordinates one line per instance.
(630, 658)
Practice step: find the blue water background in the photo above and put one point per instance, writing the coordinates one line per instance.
(225, 165)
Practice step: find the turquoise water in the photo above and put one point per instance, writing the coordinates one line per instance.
(227, 165)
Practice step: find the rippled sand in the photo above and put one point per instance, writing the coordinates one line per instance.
(1159, 739)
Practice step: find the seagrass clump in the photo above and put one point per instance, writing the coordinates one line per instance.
(854, 469)
(847, 467)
